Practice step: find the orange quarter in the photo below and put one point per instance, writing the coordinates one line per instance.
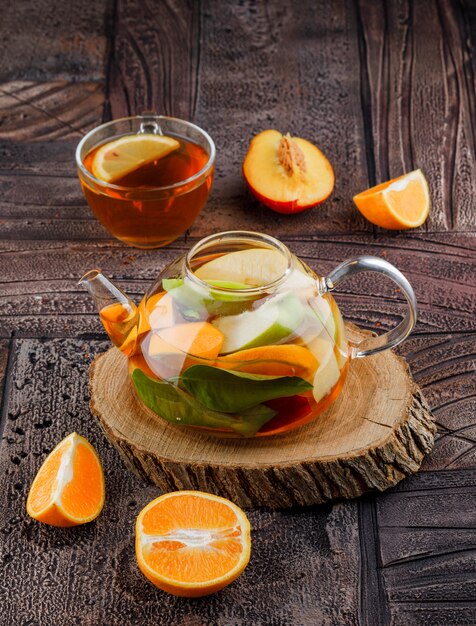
(69, 487)
(398, 204)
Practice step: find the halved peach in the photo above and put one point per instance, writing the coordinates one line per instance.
(287, 174)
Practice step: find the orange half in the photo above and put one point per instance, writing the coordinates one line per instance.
(401, 203)
(69, 487)
(191, 543)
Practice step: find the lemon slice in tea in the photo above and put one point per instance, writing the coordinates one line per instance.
(118, 158)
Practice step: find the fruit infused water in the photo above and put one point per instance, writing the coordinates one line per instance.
(240, 342)
(147, 187)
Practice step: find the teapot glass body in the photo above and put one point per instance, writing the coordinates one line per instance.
(239, 337)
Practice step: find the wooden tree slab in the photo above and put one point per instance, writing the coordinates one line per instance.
(373, 436)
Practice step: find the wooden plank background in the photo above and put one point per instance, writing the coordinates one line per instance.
(382, 87)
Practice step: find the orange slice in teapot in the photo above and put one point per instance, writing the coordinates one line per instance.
(277, 360)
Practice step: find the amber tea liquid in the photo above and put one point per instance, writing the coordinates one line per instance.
(134, 210)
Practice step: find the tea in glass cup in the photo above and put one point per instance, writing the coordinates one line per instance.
(146, 178)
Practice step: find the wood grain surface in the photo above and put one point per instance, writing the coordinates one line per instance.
(381, 87)
(89, 575)
(422, 100)
(374, 435)
(38, 110)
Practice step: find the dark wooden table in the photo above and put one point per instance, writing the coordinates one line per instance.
(382, 88)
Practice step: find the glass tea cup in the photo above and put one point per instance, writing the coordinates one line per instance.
(151, 206)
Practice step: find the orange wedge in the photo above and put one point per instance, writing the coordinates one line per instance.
(192, 544)
(118, 158)
(401, 203)
(69, 487)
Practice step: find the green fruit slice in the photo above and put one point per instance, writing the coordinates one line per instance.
(318, 321)
(198, 301)
(271, 323)
(254, 267)
(328, 372)
(342, 346)
(227, 284)
(172, 283)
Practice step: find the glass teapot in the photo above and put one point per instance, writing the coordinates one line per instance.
(239, 337)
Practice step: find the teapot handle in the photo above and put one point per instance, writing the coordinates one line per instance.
(398, 334)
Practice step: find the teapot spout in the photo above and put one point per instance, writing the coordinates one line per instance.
(118, 313)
